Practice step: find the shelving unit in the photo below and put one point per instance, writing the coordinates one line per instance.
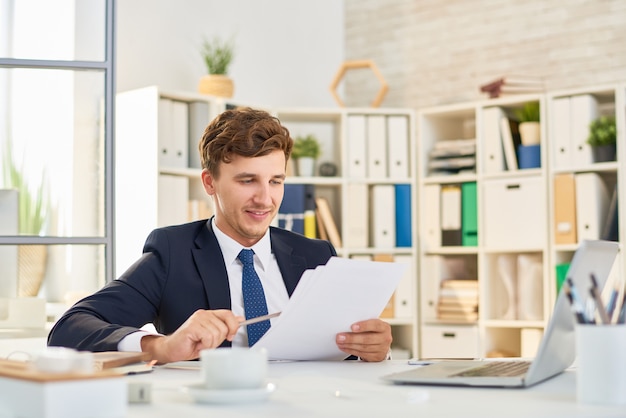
(510, 219)
(522, 234)
(378, 142)
(576, 216)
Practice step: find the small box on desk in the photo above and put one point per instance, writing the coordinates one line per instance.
(529, 156)
(32, 394)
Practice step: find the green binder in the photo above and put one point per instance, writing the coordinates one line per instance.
(469, 215)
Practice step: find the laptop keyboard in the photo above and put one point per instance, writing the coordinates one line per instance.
(497, 368)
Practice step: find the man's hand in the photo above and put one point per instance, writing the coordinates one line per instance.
(203, 329)
(369, 340)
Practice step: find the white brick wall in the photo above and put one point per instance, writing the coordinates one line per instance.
(440, 51)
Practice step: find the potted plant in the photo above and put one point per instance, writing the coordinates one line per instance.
(306, 150)
(602, 138)
(529, 124)
(217, 56)
(33, 210)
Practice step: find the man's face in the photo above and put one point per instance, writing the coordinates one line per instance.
(247, 195)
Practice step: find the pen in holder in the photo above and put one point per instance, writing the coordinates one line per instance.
(601, 364)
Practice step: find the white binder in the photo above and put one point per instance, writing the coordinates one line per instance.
(357, 164)
(198, 120)
(592, 204)
(493, 154)
(384, 216)
(179, 142)
(398, 141)
(584, 110)
(404, 306)
(166, 132)
(376, 147)
(430, 223)
(561, 130)
(357, 224)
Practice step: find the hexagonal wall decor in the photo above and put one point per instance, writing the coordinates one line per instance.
(351, 65)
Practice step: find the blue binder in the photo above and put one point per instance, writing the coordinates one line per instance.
(403, 215)
(297, 198)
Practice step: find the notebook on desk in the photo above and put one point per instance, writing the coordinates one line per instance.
(556, 351)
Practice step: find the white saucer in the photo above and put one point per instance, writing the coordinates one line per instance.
(203, 395)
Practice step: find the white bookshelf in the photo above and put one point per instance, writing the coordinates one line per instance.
(530, 221)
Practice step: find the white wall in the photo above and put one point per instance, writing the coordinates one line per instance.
(287, 51)
(440, 51)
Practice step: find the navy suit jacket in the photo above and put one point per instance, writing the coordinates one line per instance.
(181, 270)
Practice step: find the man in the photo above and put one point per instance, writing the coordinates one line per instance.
(188, 282)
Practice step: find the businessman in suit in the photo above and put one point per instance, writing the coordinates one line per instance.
(188, 282)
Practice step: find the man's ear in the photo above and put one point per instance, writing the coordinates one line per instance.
(207, 182)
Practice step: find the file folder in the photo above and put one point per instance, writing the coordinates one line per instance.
(451, 234)
(357, 224)
(292, 208)
(376, 147)
(430, 222)
(494, 154)
(565, 209)
(398, 141)
(403, 215)
(469, 221)
(357, 163)
(383, 216)
(561, 130)
(584, 110)
(592, 204)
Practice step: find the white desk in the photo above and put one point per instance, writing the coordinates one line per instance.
(308, 389)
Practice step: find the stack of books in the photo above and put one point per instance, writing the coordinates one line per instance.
(458, 300)
(513, 85)
(452, 157)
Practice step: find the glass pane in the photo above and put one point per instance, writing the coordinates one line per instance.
(53, 30)
(57, 273)
(52, 151)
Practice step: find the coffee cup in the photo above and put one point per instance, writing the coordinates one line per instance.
(233, 368)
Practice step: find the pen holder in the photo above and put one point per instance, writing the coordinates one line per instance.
(601, 370)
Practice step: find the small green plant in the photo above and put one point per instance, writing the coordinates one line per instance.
(33, 200)
(602, 131)
(217, 55)
(528, 113)
(306, 146)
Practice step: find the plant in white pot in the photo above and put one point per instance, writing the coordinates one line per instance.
(33, 211)
(217, 56)
(528, 117)
(603, 139)
(306, 150)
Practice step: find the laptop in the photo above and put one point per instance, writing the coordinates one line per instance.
(557, 349)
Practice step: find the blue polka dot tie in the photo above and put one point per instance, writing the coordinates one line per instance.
(253, 297)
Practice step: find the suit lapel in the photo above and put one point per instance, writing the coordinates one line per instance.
(210, 264)
(291, 266)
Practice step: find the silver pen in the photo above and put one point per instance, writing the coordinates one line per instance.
(259, 318)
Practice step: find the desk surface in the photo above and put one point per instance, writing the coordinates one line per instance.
(353, 388)
(344, 389)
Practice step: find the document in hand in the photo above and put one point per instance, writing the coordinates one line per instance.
(328, 300)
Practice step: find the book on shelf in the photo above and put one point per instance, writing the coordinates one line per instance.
(459, 317)
(459, 283)
(328, 221)
(509, 133)
(452, 156)
(610, 230)
(513, 85)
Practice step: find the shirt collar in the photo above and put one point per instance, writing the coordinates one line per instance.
(231, 248)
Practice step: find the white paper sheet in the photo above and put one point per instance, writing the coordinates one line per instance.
(328, 300)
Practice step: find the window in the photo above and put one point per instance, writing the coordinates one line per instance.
(57, 87)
